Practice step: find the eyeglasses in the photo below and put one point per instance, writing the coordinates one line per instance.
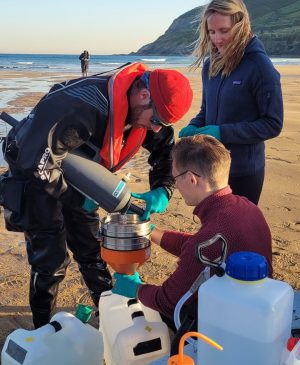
(155, 120)
(184, 172)
(158, 122)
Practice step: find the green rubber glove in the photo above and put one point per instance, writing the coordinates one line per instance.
(187, 131)
(211, 130)
(156, 200)
(126, 285)
(89, 205)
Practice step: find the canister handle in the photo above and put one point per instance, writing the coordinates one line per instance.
(219, 260)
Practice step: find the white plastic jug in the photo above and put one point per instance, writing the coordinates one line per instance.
(248, 314)
(132, 333)
(67, 341)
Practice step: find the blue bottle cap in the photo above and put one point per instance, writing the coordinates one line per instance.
(247, 266)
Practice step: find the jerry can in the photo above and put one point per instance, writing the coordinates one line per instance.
(66, 340)
(132, 333)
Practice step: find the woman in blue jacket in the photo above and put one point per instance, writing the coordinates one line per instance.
(242, 100)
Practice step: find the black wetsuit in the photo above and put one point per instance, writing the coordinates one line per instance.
(50, 211)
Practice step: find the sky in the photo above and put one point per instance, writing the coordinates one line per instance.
(101, 27)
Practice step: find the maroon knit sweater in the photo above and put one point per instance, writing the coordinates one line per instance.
(236, 218)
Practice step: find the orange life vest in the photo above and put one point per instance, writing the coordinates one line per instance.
(113, 153)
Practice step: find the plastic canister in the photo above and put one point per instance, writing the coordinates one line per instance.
(248, 314)
(65, 341)
(132, 333)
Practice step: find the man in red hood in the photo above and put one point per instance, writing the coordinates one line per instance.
(108, 117)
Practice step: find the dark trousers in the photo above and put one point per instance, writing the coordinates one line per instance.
(248, 186)
(50, 227)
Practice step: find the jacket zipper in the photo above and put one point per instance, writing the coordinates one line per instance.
(34, 280)
(218, 98)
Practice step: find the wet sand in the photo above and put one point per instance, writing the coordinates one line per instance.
(280, 203)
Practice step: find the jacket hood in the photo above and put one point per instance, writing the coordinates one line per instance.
(255, 46)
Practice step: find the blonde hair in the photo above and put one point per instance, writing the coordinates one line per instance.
(204, 155)
(241, 34)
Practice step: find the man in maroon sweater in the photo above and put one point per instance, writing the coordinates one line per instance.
(201, 169)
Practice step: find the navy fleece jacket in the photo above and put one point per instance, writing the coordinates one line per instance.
(248, 107)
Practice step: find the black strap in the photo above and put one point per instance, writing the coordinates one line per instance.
(112, 70)
(186, 326)
(56, 325)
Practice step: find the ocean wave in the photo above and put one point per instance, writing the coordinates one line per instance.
(24, 63)
(29, 66)
(289, 61)
(108, 63)
(8, 67)
(155, 60)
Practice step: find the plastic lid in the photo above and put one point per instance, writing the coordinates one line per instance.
(83, 312)
(247, 266)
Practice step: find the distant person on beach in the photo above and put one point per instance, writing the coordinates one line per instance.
(201, 169)
(84, 59)
(108, 118)
(241, 98)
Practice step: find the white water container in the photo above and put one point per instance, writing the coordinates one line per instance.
(132, 333)
(247, 313)
(67, 341)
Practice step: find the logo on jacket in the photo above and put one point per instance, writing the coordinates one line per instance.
(237, 82)
(45, 175)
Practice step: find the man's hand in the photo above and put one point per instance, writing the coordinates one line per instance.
(126, 285)
(156, 200)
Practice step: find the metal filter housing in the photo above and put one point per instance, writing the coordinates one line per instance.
(125, 232)
(125, 242)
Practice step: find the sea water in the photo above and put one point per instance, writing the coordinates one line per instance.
(98, 63)
(69, 66)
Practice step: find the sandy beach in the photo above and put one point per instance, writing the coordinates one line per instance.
(280, 203)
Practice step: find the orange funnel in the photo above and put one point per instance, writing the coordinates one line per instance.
(125, 262)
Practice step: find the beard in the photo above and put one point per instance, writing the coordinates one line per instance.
(136, 112)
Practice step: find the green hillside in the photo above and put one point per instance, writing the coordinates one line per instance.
(276, 22)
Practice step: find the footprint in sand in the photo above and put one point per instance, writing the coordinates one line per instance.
(291, 225)
(12, 282)
(280, 242)
(278, 159)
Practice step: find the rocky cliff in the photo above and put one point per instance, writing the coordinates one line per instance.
(276, 22)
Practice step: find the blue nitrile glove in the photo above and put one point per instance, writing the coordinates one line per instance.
(89, 205)
(126, 285)
(187, 131)
(156, 200)
(152, 226)
(211, 130)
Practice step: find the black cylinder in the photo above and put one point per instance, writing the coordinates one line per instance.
(93, 180)
(96, 182)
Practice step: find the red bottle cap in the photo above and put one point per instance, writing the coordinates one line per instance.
(292, 342)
